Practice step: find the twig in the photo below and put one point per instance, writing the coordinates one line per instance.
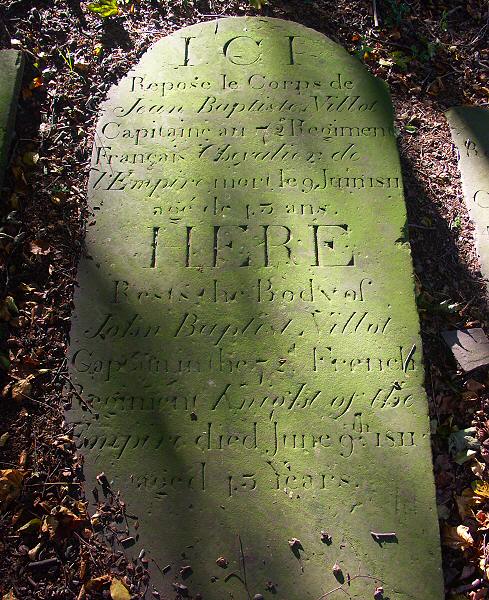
(376, 18)
(340, 587)
(49, 562)
(469, 587)
(380, 536)
(243, 565)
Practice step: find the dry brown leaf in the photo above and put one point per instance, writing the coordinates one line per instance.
(61, 523)
(477, 468)
(83, 594)
(466, 503)
(458, 537)
(97, 583)
(10, 486)
(83, 568)
(23, 458)
(32, 554)
(22, 388)
(118, 590)
(474, 386)
(482, 518)
(40, 247)
(9, 596)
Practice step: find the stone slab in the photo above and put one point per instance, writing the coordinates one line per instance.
(470, 132)
(470, 347)
(245, 329)
(11, 68)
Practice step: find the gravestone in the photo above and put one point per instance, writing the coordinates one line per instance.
(245, 336)
(470, 132)
(11, 67)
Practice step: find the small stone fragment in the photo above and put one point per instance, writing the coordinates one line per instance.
(128, 541)
(102, 479)
(258, 597)
(186, 571)
(181, 589)
(337, 572)
(326, 538)
(222, 562)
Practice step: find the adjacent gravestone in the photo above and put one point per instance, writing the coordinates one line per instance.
(470, 347)
(245, 336)
(11, 66)
(470, 132)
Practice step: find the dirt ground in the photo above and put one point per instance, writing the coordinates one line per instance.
(432, 54)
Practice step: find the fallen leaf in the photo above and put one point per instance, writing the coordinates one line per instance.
(118, 590)
(4, 439)
(481, 488)
(9, 596)
(22, 388)
(474, 386)
(463, 440)
(40, 247)
(32, 554)
(104, 8)
(23, 458)
(61, 523)
(37, 82)
(477, 468)
(97, 583)
(10, 486)
(30, 158)
(458, 537)
(258, 4)
(30, 526)
(466, 502)
(482, 518)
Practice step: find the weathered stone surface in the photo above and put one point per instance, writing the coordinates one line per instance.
(245, 328)
(11, 64)
(470, 347)
(470, 132)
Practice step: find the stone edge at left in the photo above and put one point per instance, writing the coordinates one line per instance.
(11, 69)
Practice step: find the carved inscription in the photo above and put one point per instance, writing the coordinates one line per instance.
(469, 126)
(245, 338)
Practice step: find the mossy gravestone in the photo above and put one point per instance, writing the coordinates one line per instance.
(11, 68)
(470, 132)
(245, 335)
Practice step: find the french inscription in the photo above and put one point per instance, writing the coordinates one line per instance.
(245, 338)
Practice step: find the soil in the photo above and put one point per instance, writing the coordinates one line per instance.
(433, 55)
